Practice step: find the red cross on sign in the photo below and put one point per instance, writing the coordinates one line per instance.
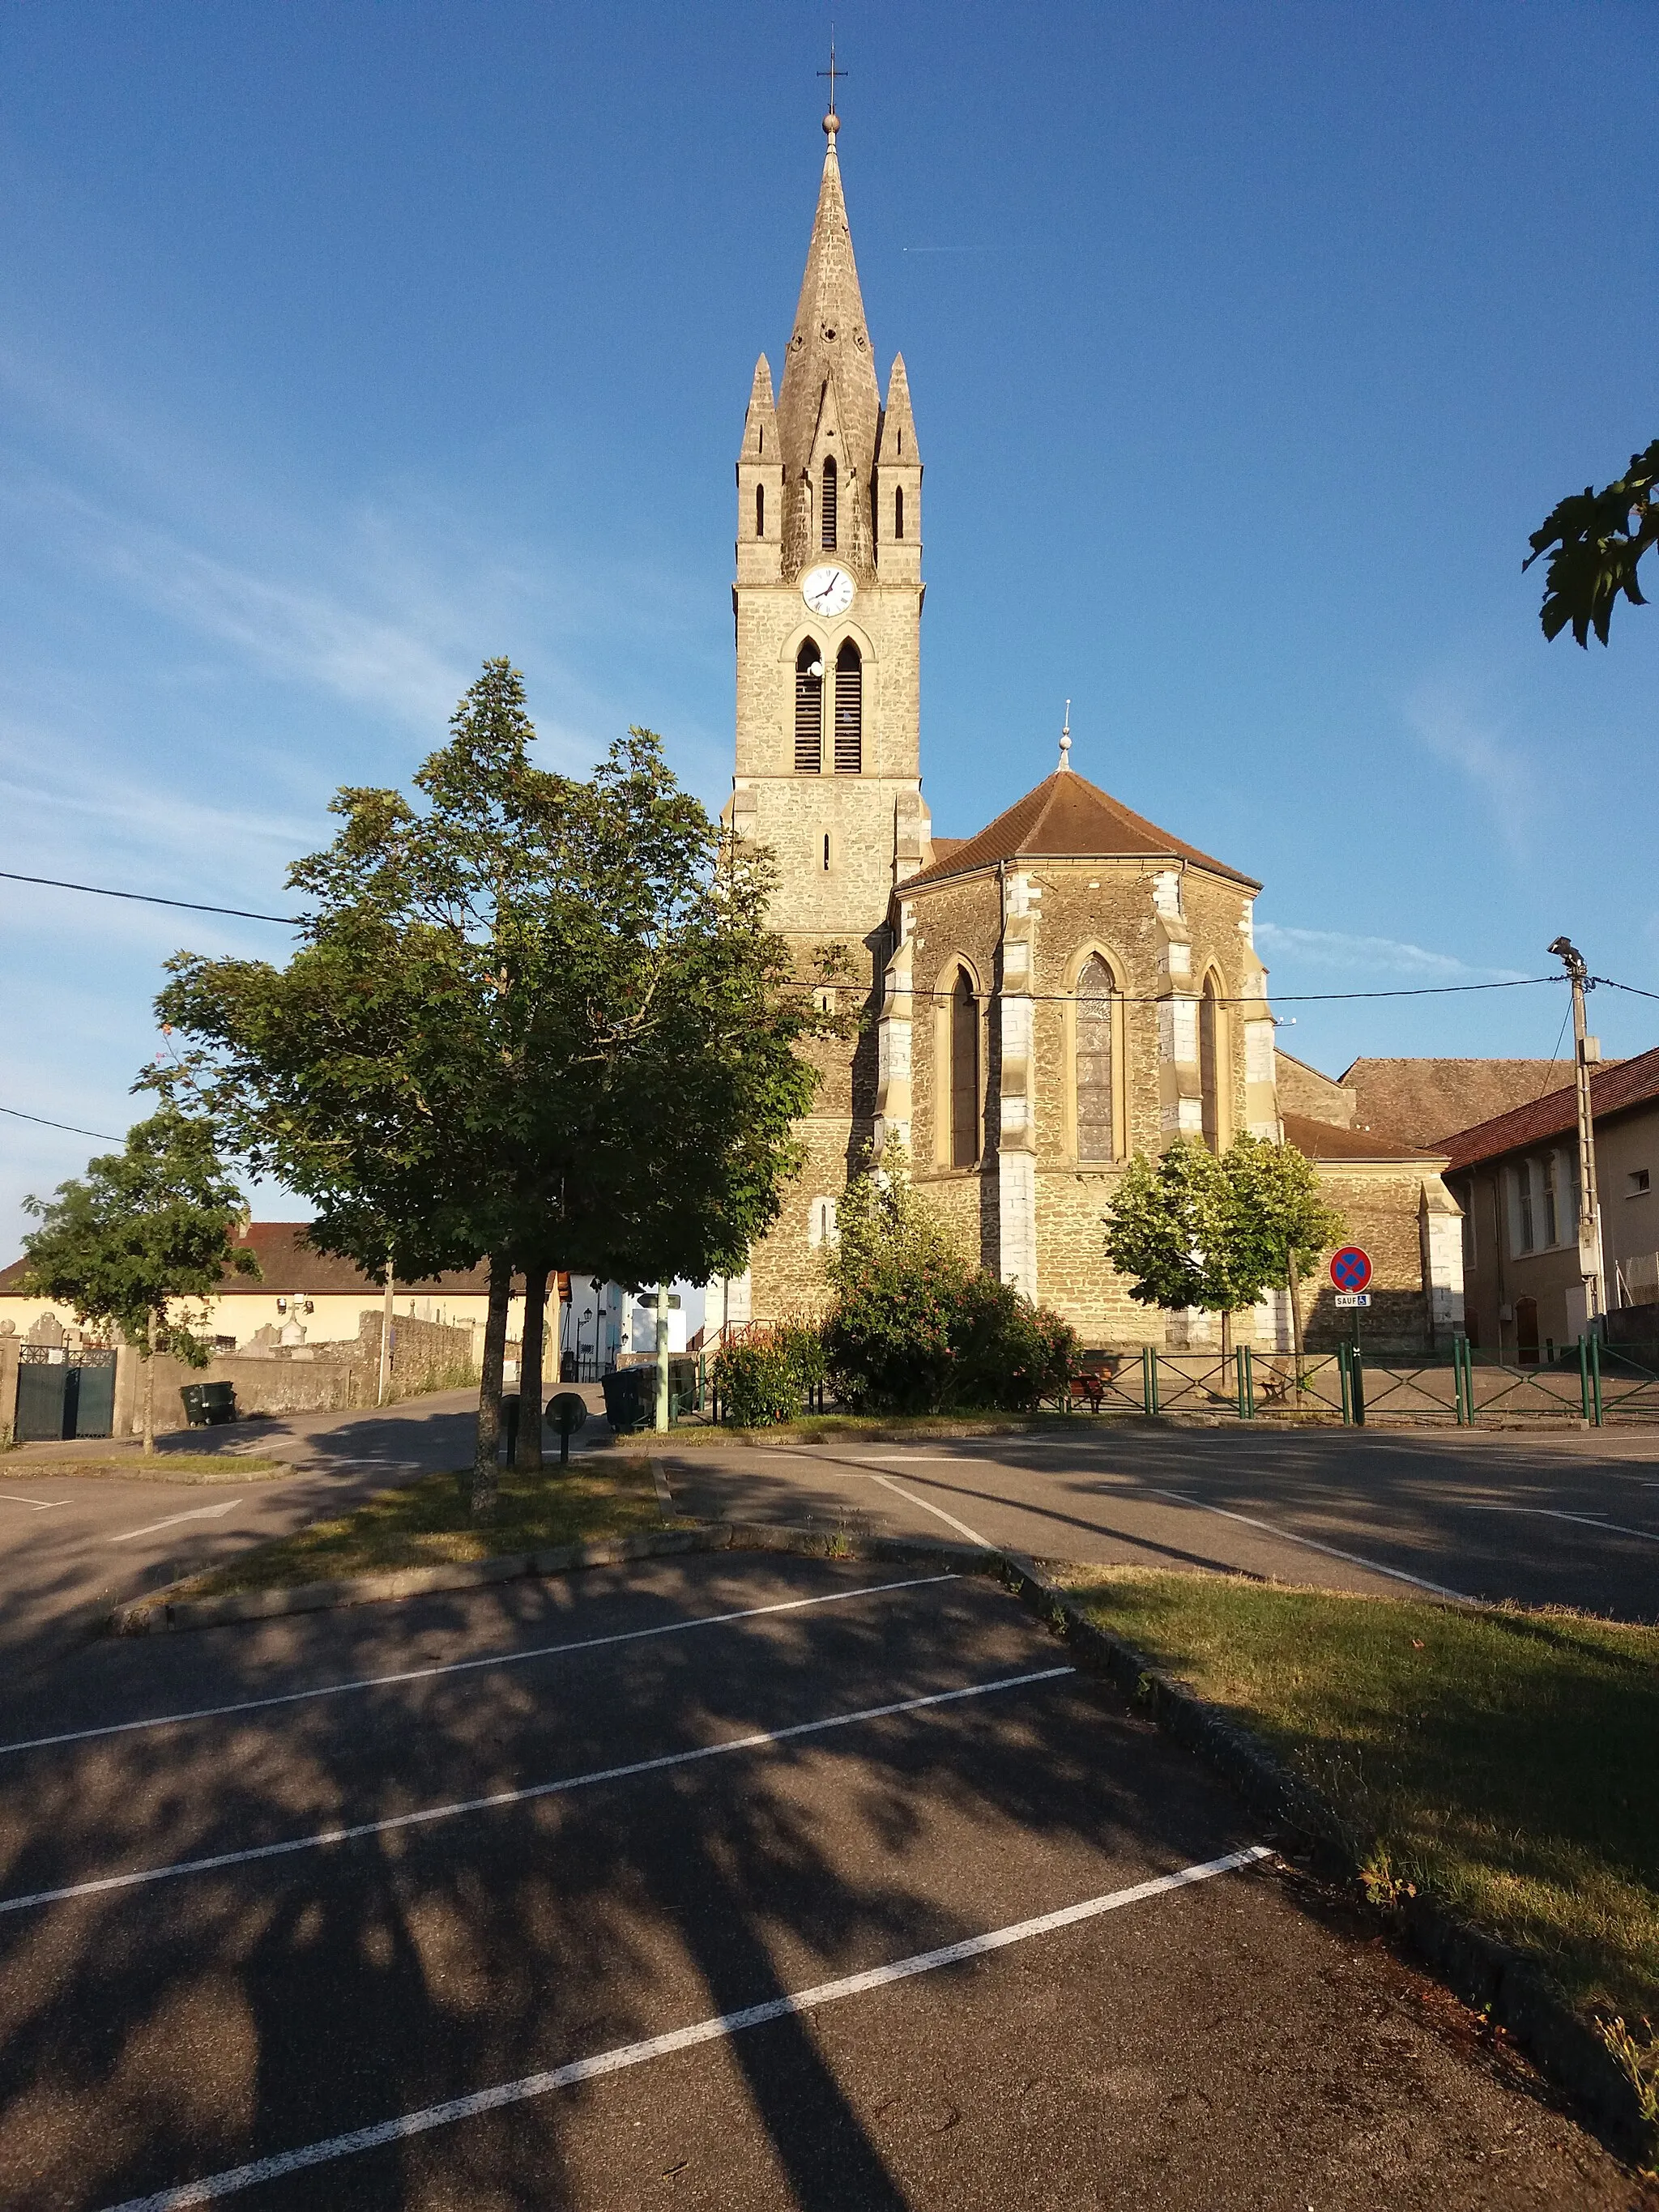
(1351, 1269)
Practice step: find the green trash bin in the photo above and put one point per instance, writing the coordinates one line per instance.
(195, 1410)
(630, 1398)
(218, 1403)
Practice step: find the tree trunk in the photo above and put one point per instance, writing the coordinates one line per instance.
(148, 1448)
(484, 1479)
(528, 1457)
(1294, 1287)
(1228, 1378)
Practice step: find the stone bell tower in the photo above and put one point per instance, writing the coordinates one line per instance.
(828, 600)
(828, 605)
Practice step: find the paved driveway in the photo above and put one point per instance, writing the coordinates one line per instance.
(735, 1884)
(1565, 1520)
(72, 1546)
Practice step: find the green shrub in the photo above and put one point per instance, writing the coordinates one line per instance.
(917, 1328)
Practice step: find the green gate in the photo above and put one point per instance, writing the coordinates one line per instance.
(72, 1394)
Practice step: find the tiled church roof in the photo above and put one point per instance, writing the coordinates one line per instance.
(1323, 1140)
(1613, 1090)
(1065, 816)
(1424, 1101)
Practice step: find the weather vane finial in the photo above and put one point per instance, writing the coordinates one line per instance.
(832, 121)
(1066, 738)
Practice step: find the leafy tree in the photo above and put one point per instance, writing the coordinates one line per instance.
(1192, 1230)
(1598, 538)
(532, 1020)
(145, 1228)
(915, 1327)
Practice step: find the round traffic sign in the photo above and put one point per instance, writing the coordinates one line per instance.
(567, 1413)
(1351, 1269)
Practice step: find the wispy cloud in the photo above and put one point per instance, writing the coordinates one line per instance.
(1348, 954)
(1479, 746)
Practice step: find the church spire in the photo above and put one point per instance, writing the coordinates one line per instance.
(828, 399)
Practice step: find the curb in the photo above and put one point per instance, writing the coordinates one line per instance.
(1501, 1983)
(161, 1613)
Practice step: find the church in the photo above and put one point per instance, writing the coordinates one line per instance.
(1039, 1002)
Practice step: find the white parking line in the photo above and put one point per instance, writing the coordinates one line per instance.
(39, 1504)
(938, 1511)
(325, 1837)
(466, 1666)
(238, 2177)
(1549, 1513)
(1353, 1559)
(200, 1513)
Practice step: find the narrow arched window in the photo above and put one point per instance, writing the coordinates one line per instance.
(898, 511)
(849, 711)
(827, 506)
(809, 710)
(1094, 1061)
(1212, 1064)
(964, 1072)
(760, 510)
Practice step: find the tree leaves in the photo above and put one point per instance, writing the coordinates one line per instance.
(1599, 539)
(1192, 1230)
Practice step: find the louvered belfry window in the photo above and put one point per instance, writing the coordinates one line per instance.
(964, 1072)
(849, 711)
(1094, 1060)
(809, 711)
(827, 506)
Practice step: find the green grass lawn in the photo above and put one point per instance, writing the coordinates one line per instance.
(429, 1523)
(821, 1428)
(1509, 1762)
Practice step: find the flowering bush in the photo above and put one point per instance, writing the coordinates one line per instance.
(765, 1377)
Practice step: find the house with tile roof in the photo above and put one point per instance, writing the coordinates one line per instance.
(1071, 986)
(1516, 1178)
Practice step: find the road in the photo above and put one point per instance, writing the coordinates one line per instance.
(1562, 1519)
(654, 1916)
(71, 1548)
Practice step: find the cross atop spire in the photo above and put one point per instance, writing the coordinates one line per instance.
(832, 121)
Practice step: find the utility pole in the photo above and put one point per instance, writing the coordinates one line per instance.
(1589, 1204)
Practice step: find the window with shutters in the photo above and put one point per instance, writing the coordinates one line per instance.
(849, 711)
(809, 710)
(898, 511)
(964, 1072)
(827, 509)
(1095, 1134)
(760, 510)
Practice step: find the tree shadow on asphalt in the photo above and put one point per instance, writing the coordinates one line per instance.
(153, 2036)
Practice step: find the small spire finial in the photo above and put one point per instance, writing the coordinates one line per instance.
(832, 121)
(1066, 738)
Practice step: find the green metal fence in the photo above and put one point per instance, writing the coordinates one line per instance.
(1594, 1383)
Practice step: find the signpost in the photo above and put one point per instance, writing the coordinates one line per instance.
(1351, 1270)
(567, 1413)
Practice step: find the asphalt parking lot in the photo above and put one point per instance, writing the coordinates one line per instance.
(725, 1882)
(1560, 1518)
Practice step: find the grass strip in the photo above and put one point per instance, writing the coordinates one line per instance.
(1503, 1761)
(164, 1467)
(892, 1428)
(429, 1523)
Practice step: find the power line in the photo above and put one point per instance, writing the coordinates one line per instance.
(1635, 989)
(18, 1115)
(1275, 997)
(150, 899)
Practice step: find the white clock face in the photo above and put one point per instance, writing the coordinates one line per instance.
(827, 591)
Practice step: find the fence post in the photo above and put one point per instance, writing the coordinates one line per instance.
(1149, 1377)
(1595, 1375)
(1342, 1378)
(1465, 1359)
(1356, 1386)
(1245, 1382)
(1584, 1378)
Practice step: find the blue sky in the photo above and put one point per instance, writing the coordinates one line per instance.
(341, 346)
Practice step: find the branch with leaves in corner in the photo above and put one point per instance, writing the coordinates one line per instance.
(1595, 539)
